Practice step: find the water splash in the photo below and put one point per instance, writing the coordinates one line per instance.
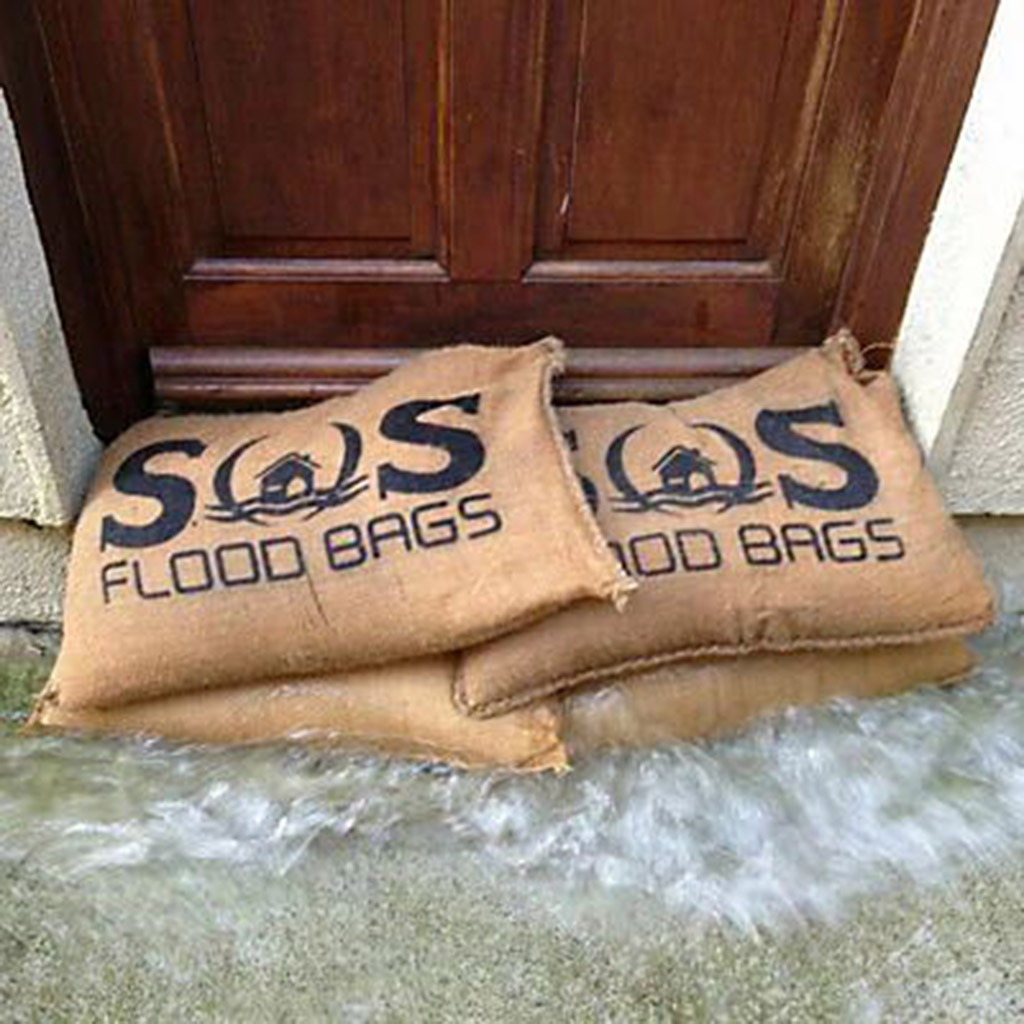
(792, 820)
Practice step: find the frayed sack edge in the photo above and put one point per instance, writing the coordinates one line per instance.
(580, 750)
(846, 346)
(552, 756)
(618, 584)
(493, 708)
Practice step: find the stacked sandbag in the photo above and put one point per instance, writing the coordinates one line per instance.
(715, 696)
(227, 555)
(403, 709)
(787, 514)
(421, 569)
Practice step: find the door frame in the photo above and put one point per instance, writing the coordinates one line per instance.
(906, 164)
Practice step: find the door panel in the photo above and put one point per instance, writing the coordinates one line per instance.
(334, 175)
(657, 121)
(708, 153)
(330, 79)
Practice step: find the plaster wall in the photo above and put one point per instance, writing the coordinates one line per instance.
(47, 447)
(985, 472)
(972, 257)
(33, 564)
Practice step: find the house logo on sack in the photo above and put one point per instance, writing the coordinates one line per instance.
(689, 477)
(720, 469)
(287, 486)
(292, 483)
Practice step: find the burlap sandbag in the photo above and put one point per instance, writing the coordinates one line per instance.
(788, 512)
(435, 508)
(713, 696)
(404, 709)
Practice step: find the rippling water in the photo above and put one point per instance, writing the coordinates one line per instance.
(790, 820)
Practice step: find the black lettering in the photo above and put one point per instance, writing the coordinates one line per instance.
(107, 583)
(489, 515)
(205, 581)
(387, 527)
(843, 548)
(278, 572)
(894, 542)
(344, 547)
(668, 563)
(176, 495)
(443, 531)
(758, 537)
(713, 555)
(464, 449)
(776, 429)
(250, 571)
(140, 588)
(800, 535)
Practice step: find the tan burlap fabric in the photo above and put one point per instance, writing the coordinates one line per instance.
(404, 709)
(789, 512)
(435, 508)
(712, 696)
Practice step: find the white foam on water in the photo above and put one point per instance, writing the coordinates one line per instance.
(792, 820)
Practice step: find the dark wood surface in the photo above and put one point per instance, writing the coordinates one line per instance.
(217, 376)
(672, 118)
(645, 176)
(923, 116)
(333, 90)
(112, 376)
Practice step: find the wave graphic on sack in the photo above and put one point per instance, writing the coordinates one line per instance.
(689, 477)
(287, 485)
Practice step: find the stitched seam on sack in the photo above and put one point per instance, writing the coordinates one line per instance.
(489, 709)
(552, 354)
(943, 680)
(551, 754)
(851, 361)
(495, 631)
(621, 584)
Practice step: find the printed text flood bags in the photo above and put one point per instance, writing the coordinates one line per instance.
(434, 509)
(790, 512)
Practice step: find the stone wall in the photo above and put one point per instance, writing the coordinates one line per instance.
(48, 448)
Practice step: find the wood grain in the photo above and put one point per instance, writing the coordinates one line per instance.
(113, 388)
(308, 121)
(656, 174)
(922, 120)
(687, 311)
(221, 377)
(660, 121)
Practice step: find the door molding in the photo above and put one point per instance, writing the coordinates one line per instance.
(217, 376)
(899, 175)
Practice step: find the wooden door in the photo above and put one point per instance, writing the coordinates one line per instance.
(281, 199)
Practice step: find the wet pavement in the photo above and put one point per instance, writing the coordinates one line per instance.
(861, 862)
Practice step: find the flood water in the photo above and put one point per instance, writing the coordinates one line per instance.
(143, 879)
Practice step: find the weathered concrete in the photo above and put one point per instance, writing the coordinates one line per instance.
(985, 475)
(48, 446)
(33, 563)
(974, 251)
(26, 657)
(144, 883)
(396, 936)
(997, 542)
